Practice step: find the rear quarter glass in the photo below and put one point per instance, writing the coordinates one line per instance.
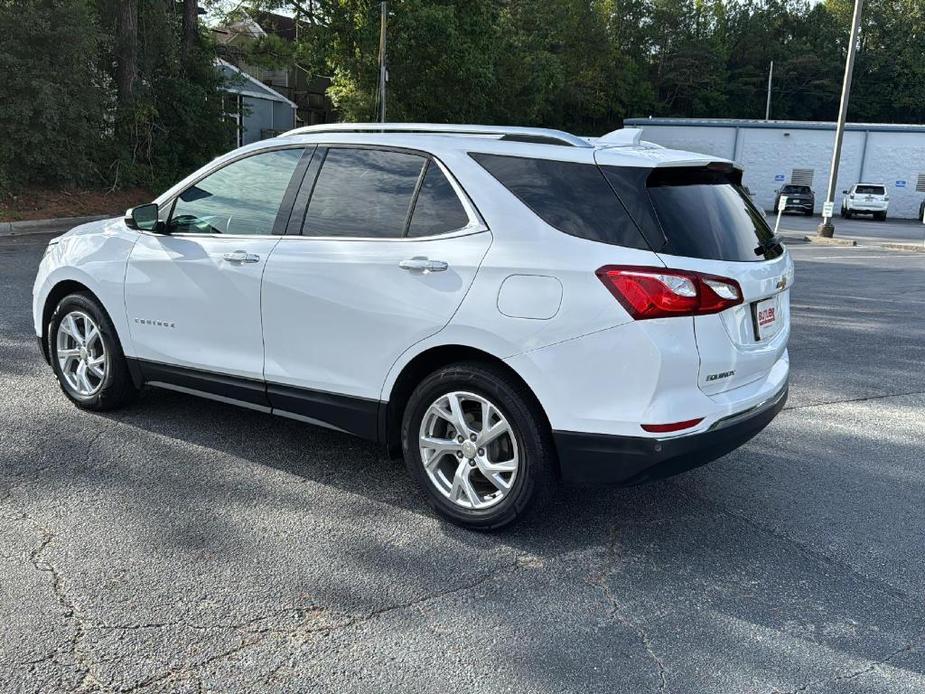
(572, 197)
(697, 212)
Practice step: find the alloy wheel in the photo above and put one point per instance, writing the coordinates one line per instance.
(81, 353)
(468, 450)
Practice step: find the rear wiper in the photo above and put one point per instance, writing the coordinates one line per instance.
(771, 244)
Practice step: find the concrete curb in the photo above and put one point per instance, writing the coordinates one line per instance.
(46, 226)
(913, 247)
(824, 241)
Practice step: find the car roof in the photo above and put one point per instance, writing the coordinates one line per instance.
(620, 148)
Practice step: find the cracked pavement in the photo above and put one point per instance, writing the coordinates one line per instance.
(184, 545)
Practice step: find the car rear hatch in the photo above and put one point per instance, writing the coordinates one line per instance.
(699, 218)
(872, 196)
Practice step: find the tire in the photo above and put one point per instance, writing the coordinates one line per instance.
(847, 214)
(808, 213)
(115, 388)
(881, 216)
(529, 443)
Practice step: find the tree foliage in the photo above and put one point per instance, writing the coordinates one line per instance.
(85, 100)
(88, 100)
(587, 64)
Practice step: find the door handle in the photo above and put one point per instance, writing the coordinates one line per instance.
(241, 257)
(419, 264)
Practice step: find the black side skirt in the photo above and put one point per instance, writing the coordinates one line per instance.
(353, 415)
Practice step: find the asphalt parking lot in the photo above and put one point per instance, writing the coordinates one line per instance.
(185, 545)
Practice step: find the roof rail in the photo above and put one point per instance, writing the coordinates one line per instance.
(507, 132)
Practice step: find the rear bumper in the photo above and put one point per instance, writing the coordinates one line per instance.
(868, 207)
(627, 460)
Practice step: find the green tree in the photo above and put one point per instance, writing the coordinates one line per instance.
(51, 109)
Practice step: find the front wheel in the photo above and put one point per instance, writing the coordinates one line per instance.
(476, 442)
(86, 355)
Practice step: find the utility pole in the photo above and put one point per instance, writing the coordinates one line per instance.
(827, 229)
(767, 110)
(383, 71)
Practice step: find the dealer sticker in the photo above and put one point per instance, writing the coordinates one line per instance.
(767, 318)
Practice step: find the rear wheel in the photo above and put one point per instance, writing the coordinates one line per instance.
(86, 355)
(475, 441)
(880, 216)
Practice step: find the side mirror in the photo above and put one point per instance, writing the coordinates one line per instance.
(844, 192)
(144, 218)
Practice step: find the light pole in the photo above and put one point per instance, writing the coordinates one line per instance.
(767, 110)
(827, 229)
(383, 75)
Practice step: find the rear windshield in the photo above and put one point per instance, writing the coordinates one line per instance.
(701, 212)
(574, 198)
(796, 190)
(869, 190)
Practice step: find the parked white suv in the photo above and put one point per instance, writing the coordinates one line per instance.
(865, 198)
(509, 308)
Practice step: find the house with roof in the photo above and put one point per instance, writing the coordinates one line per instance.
(293, 82)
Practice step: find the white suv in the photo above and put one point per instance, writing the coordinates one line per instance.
(865, 198)
(509, 308)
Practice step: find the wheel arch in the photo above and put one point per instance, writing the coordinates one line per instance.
(60, 290)
(426, 363)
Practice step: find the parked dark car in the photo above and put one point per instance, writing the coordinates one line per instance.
(799, 199)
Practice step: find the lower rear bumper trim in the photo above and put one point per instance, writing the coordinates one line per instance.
(628, 460)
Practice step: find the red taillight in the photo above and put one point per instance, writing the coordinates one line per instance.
(668, 428)
(649, 292)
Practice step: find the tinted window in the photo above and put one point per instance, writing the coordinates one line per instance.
(796, 190)
(574, 198)
(704, 213)
(363, 193)
(240, 198)
(437, 209)
(869, 190)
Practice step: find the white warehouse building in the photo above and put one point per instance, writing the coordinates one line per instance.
(777, 152)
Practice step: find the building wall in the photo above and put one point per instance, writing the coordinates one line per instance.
(264, 118)
(769, 156)
(258, 116)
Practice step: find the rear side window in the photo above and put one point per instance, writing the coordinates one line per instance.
(363, 193)
(437, 209)
(705, 213)
(572, 197)
(869, 190)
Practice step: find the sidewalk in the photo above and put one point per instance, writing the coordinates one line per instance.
(792, 236)
(47, 226)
